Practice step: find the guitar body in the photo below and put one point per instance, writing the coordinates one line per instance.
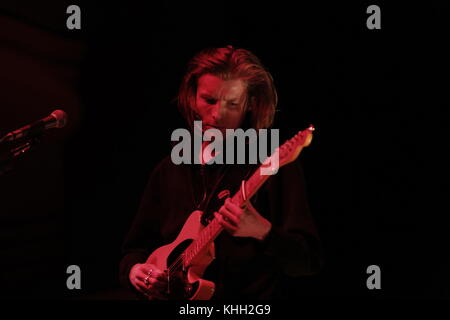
(165, 255)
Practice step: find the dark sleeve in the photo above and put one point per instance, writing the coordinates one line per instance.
(293, 241)
(144, 235)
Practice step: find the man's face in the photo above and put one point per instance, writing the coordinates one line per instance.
(220, 103)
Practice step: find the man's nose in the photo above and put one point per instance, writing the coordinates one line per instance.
(217, 111)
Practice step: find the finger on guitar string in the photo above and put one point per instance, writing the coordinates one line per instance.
(229, 216)
(229, 227)
(234, 208)
(152, 271)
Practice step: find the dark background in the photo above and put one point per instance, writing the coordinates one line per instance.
(376, 171)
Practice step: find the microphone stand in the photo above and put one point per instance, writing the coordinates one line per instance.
(8, 157)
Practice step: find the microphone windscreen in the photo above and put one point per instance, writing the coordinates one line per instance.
(61, 118)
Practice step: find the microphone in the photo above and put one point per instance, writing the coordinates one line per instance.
(57, 119)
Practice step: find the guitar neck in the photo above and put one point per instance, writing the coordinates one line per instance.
(286, 153)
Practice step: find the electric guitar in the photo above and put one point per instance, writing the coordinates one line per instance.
(192, 251)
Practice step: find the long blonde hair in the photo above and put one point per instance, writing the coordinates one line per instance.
(230, 63)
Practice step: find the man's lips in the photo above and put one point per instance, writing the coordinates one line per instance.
(210, 126)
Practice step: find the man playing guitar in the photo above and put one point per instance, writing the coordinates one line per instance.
(271, 235)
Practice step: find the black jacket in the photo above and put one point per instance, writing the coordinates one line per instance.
(244, 267)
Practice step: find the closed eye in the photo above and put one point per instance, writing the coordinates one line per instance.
(210, 100)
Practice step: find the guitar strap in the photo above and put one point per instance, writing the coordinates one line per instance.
(226, 185)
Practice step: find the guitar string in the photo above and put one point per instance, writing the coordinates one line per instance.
(178, 262)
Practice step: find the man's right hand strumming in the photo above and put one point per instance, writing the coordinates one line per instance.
(149, 280)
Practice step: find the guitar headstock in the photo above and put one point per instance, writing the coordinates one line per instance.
(290, 150)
